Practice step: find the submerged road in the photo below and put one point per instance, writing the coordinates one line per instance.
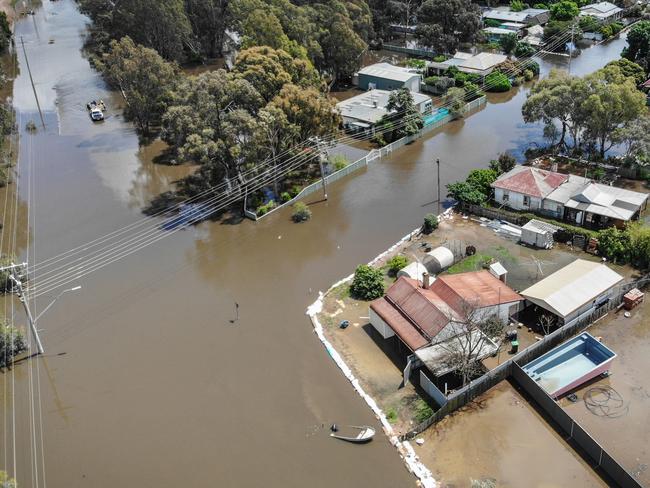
(146, 382)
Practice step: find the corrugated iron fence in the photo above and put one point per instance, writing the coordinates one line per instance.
(574, 430)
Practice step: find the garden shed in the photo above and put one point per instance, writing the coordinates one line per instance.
(539, 234)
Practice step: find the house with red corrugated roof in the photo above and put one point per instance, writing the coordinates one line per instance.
(420, 315)
(525, 187)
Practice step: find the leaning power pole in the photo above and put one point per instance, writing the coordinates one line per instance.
(17, 280)
(438, 165)
(322, 156)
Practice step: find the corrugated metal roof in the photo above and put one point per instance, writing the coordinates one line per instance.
(539, 226)
(388, 71)
(477, 289)
(573, 286)
(417, 315)
(534, 182)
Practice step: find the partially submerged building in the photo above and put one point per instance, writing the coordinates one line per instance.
(571, 198)
(481, 64)
(527, 17)
(386, 76)
(605, 12)
(574, 291)
(363, 111)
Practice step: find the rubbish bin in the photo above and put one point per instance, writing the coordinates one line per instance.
(515, 347)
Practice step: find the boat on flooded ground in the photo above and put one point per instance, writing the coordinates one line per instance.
(570, 364)
(354, 433)
(96, 110)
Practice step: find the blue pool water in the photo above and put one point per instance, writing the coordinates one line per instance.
(568, 362)
(435, 117)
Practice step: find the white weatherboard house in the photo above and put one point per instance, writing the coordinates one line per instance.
(571, 198)
(575, 290)
(605, 12)
(481, 64)
(363, 111)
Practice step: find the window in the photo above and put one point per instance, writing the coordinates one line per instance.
(506, 196)
(526, 201)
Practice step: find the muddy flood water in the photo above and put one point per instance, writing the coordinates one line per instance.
(147, 379)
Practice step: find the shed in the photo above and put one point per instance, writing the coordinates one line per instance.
(385, 76)
(438, 260)
(498, 271)
(575, 290)
(539, 234)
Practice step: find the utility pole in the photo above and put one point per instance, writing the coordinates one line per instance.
(29, 70)
(322, 154)
(438, 165)
(14, 276)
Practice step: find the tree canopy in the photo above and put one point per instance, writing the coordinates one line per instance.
(592, 109)
(444, 24)
(638, 44)
(144, 78)
(564, 10)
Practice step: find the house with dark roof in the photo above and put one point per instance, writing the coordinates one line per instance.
(572, 198)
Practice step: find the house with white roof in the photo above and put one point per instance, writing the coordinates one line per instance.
(386, 76)
(571, 198)
(481, 64)
(363, 111)
(605, 12)
(575, 290)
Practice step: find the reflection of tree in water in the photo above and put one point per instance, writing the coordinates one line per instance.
(153, 177)
(267, 250)
(9, 216)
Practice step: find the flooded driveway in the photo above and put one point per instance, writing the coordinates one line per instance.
(145, 380)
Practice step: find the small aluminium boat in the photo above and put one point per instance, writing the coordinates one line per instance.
(359, 433)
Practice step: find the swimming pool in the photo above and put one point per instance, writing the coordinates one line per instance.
(435, 117)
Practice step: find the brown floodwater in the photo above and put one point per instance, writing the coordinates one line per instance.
(145, 380)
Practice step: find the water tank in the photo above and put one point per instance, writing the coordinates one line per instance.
(438, 260)
(413, 270)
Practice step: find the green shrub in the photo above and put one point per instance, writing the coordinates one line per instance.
(517, 5)
(339, 162)
(294, 190)
(285, 196)
(492, 23)
(472, 91)
(528, 75)
(12, 343)
(301, 212)
(524, 50)
(430, 223)
(416, 63)
(396, 263)
(614, 244)
(422, 411)
(497, 82)
(264, 209)
(368, 283)
(440, 58)
(391, 415)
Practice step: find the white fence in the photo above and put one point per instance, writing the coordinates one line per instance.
(368, 158)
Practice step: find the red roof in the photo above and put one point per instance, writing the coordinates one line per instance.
(479, 289)
(529, 181)
(417, 315)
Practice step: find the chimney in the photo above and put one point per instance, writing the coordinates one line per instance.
(425, 280)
